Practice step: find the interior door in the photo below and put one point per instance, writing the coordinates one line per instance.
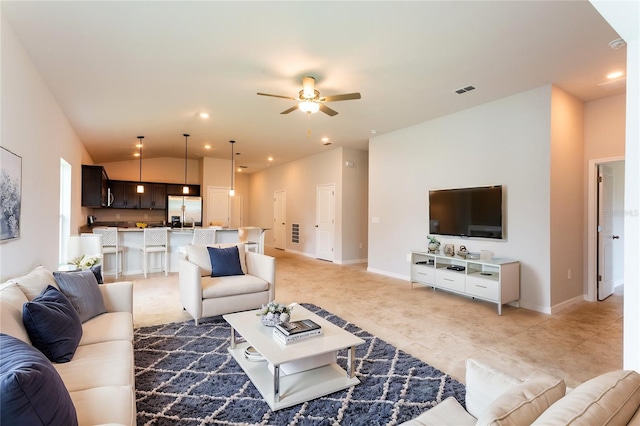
(325, 221)
(605, 232)
(217, 206)
(279, 219)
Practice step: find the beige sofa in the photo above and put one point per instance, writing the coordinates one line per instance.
(495, 398)
(204, 296)
(100, 376)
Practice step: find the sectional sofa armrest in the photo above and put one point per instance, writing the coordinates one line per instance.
(118, 296)
(190, 287)
(484, 384)
(262, 266)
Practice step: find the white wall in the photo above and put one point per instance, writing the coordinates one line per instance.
(504, 142)
(299, 179)
(165, 170)
(34, 127)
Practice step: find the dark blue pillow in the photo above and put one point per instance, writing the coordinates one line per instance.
(225, 261)
(53, 325)
(32, 391)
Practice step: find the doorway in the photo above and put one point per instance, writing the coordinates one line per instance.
(325, 221)
(605, 221)
(280, 219)
(217, 206)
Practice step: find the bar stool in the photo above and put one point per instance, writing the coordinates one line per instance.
(110, 245)
(204, 236)
(154, 241)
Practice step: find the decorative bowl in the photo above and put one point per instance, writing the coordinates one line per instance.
(273, 319)
(274, 313)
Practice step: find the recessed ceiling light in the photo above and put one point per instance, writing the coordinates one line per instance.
(239, 169)
(207, 146)
(270, 159)
(325, 139)
(137, 154)
(615, 75)
(204, 115)
(373, 132)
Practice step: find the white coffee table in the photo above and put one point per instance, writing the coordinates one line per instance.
(281, 391)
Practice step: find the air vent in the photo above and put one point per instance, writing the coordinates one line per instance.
(242, 167)
(326, 143)
(295, 233)
(465, 90)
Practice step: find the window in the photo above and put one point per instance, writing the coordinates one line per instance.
(65, 210)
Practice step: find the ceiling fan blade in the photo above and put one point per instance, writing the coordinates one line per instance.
(287, 111)
(345, 97)
(277, 96)
(328, 110)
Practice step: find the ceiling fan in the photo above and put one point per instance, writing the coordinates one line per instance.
(310, 101)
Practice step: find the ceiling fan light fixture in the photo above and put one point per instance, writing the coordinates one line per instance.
(309, 107)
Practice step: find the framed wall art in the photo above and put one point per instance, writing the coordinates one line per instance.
(10, 194)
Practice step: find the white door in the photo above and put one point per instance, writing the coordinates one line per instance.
(605, 232)
(236, 212)
(325, 221)
(217, 206)
(279, 219)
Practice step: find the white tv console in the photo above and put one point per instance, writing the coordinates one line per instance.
(496, 280)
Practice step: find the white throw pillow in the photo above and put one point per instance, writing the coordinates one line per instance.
(524, 403)
(35, 282)
(609, 399)
(484, 385)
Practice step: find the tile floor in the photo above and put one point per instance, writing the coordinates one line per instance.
(439, 328)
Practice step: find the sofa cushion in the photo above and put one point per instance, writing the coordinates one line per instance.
(34, 283)
(225, 261)
(82, 290)
(105, 405)
(53, 325)
(108, 327)
(32, 391)
(523, 403)
(99, 364)
(232, 286)
(609, 399)
(484, 385)
(11, 301)
(448, 412)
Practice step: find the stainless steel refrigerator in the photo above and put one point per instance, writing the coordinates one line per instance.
(187, 209)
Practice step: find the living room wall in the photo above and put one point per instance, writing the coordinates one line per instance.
(504, 142)
(35, 128)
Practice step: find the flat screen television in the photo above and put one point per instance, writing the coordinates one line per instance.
(467, 212)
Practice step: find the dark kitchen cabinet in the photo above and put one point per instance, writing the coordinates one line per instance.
(94, 186)
(176, 189)
(124, 194)
(154, 196)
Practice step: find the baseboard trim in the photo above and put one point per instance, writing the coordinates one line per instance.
(567, 304)
(389, 274)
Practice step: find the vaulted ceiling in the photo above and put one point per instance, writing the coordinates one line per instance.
(123, 69)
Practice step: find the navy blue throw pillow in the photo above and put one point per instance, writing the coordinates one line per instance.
(32, 391)
(225, 261)
(53, 325)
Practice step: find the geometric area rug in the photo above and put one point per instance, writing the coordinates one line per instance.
(184, 375)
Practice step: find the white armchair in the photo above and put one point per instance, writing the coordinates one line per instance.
(204, 296)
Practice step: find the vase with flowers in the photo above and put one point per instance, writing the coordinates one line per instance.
(274, 313)
(433, 244)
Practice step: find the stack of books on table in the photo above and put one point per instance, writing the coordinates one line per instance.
(252, 355)
(294, 331)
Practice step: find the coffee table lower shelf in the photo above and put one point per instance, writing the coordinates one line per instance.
(294, 388)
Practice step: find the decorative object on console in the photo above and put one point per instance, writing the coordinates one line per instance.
(449, 250)
(486, 255)
(433, 244)
(274, 313)
(462, 252)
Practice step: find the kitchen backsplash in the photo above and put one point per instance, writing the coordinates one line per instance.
(128, 215)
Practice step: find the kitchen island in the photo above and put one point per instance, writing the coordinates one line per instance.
(131, 239)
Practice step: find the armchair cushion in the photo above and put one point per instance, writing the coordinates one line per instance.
(225, 261)
(53, 325)
(231, 286)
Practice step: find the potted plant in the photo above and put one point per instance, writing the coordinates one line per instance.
(433, 244)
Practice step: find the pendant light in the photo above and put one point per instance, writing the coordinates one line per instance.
(140, 187)
(185, 188)
(232, 192)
